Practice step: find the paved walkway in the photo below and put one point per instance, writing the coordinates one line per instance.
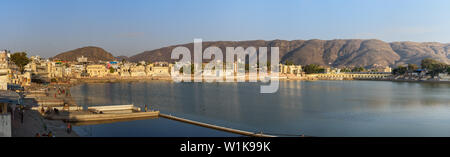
(33, 122)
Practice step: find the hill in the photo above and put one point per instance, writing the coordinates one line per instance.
(92, 53)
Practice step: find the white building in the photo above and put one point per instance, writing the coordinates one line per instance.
(82, 59)
(4, 69)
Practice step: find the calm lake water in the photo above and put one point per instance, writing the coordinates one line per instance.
(314, 108)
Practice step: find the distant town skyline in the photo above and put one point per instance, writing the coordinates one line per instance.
(48, 27)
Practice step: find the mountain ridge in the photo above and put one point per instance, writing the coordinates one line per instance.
(336, 52)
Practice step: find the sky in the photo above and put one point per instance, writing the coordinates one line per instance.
(129, 27)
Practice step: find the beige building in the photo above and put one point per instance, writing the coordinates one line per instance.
(51, 69)
(59, 71)
(22, 79)
(149, 69)
(10, 73)
(38, 68)
(76, 70)
(97, 70)
(161, 71)
(291, 69)
(387, 69)
(124, 70)
(158, 69)
(138, 70)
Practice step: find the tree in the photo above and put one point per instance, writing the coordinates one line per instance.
(346, 69)
(439, 68)
(20, 59)
(412, 67)
(288, 62)
(358, 69)
(312, 68)
(111, 70)
(434, 67)
(428, 63)
(400, 70)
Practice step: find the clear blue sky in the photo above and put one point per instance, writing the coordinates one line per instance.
(128, 27)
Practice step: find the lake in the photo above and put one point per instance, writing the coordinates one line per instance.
(313, 108)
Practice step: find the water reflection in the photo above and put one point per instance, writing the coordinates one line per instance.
(318, 108)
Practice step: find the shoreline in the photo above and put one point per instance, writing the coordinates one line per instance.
(282, 78)
(115, 80)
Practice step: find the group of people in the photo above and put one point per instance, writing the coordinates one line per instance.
(50, 134)
(146, 108)
(59, 91)
(49, 110)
